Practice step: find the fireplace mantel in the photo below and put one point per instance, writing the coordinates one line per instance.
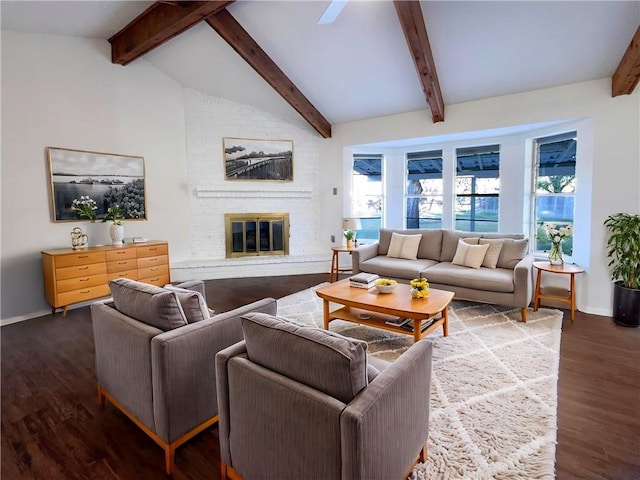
(270, 191)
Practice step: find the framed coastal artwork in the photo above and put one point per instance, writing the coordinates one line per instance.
(100, 180)
(246, 159)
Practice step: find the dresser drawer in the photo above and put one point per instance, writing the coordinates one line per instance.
(120, 254)
(152, 250)
(80, 271)
(83, 294)
(158, 280)
(130, 274)
(80, 283)
(122, 265)
(79, 259)
(153, 271)
(153, 261)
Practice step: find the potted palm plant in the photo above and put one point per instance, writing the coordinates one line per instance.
(623, 250)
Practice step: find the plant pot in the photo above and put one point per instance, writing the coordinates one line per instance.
(116, 232)
(626, 305)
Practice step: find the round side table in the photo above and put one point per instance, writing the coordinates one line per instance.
(553, 293)
(335, 267)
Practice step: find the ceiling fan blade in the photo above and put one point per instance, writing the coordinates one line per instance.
(332, 11)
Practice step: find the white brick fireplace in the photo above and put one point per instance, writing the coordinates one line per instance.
(209, 120)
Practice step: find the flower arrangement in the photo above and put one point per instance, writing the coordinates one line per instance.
(419, 288)
(85, 207)
(349, 234)
(557, 235)
(114, 214)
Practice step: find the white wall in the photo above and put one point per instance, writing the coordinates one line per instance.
(65, 92)
(611, 127)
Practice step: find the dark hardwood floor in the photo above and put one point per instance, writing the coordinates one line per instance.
(52, 427)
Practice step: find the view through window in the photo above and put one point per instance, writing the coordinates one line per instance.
(424, 190)
(367, 194)
(554, 187)
(477, 188)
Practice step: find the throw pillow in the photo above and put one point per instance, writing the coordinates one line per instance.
(339, 363)
(192, 302)
(493, 253)
(469, 255)
(147, 303)
(512, 252)
(404, 246)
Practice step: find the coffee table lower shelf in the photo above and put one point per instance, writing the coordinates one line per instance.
(378, 320)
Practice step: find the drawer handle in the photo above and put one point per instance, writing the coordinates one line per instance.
(153, 269)
(153, 249)
(85, 291)
(122, 263)
(154, 259)
(84, 279)
(83, 256)
(83, 268)
(120, 253)
(155, 279)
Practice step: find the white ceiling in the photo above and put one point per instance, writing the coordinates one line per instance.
(359, 66)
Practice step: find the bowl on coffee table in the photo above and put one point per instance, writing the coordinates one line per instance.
(385, 285)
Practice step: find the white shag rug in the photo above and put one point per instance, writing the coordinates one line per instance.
(493, 387)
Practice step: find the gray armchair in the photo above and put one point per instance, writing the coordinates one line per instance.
(300, 402)
(155, 352)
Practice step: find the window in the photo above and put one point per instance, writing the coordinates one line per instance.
(554, 182)
(477, 188)
(424, 190)
(366, 194)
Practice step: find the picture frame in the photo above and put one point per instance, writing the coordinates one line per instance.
(107, 178)
(252, 159)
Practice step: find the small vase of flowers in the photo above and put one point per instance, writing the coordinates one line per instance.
(557, 235)
(116, 230)
(419, 288)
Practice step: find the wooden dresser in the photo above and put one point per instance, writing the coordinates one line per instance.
(73, 276)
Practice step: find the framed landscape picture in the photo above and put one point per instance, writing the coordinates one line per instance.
(106, 178)
(246, 159)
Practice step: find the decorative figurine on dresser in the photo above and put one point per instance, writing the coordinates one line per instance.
(74, 276)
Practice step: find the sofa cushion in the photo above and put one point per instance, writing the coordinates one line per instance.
(147, 303)
(395, 267)
(469, 255)
(512, 252)
(192, 303)
(404, 246)
(450, 243)
(321, 359)
(493, 253)
(430, 245)
(485, 279)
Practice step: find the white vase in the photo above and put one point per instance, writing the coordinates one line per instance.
(116, 232)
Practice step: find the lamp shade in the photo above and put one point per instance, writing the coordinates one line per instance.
(351, 224)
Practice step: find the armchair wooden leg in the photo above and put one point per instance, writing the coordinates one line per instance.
(169, 456)
(523, 313)
(100, 396)
(228, 473)
(423, 454)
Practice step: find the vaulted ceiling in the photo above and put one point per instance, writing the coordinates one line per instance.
(377, 58)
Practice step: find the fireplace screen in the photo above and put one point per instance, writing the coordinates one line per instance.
(250, 234)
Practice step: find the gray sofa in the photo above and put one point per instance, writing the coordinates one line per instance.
(155, 350)
(509, 283)
(299, 402)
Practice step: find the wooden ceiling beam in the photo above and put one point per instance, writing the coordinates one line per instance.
(160, 22)
(239, 39)
(415, 32)
(627, 74)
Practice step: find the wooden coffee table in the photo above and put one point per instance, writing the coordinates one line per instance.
(368, 307)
